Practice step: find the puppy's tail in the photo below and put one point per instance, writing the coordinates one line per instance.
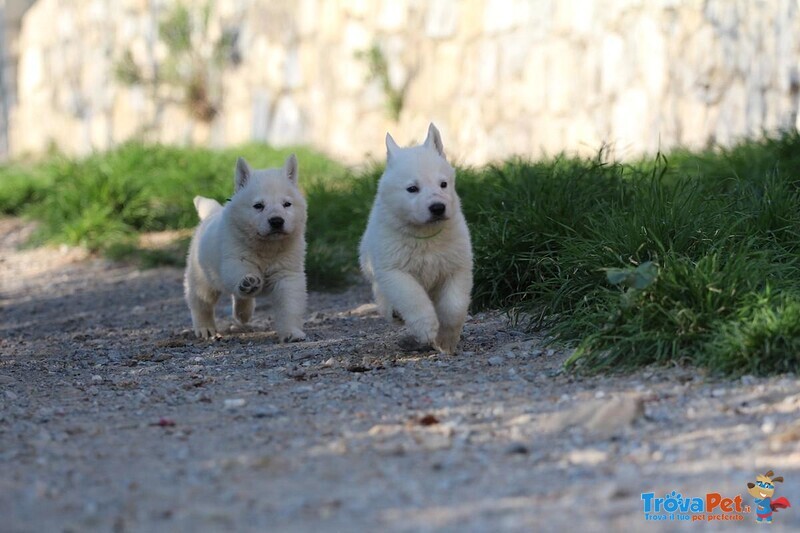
(206, 206)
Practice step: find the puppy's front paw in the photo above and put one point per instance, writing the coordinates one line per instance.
(250, 285)
(296, 335)
(205, 332)
(423, 331)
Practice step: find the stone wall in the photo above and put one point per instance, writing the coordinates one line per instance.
(498, 77)
(4, 84)
(11, 12)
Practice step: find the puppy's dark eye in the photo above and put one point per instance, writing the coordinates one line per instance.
(443, 185)
(413, 189)
(287, 204)
(259, 206)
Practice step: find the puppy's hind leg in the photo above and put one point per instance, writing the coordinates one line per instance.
(202, 310)
(243, 309)
(290, 296)
(452, 304)
(405, 295)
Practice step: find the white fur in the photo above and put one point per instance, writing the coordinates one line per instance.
(236, 250)
(419, 267)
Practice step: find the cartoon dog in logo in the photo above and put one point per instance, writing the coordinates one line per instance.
(762, 490)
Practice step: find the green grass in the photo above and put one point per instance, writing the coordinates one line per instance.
(105, 200)
(722, 228)
(690, 257)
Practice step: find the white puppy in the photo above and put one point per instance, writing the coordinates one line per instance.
(416, 250)
(255, 242)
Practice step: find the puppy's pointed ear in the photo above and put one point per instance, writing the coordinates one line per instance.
(391, 147)
(778, 479)
(291, 168)
(434, 140)
(241, 174)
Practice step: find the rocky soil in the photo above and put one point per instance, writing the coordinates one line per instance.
(114, 418)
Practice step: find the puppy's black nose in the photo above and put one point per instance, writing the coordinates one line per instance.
(276, 222)
(437, 209)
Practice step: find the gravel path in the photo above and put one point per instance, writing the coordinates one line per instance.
(113, 418)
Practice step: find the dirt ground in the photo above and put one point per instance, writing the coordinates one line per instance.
(113, 418)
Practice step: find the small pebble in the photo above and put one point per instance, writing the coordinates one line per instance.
(97, 379)
(496, 360)
(517, 448)
(305, 354)
(265, 411)
(233, 403)
(115, 355)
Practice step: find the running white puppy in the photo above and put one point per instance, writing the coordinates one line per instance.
(416, 250)
(256, 241)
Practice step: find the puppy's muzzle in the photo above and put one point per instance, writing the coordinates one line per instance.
(277, 228)
(437, 210)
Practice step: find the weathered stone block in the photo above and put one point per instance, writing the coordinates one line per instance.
(561, 66)
(535, 79)
(502, 15)
(392, 15)
(486, 64)
(288, 125)
(441, 19)
(630, 120)
(262, 100)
